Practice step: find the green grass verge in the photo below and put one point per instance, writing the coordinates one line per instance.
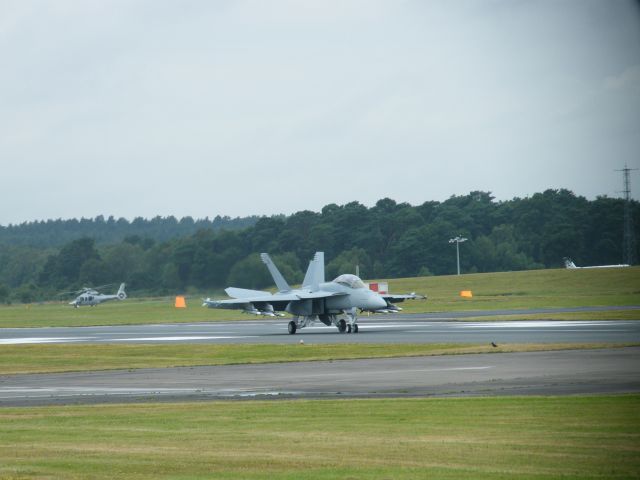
(131, 311)
(538, 438)
(507, 290)
(529, 289)
(77, 357)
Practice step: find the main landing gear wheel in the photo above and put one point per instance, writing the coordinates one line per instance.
(342, 326)
(292, 327)
(348, 328)
(355, 328)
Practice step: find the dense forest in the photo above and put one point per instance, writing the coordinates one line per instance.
(387, 240)
(54, 233)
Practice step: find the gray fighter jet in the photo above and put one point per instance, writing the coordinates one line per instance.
(91, 297)
(332, 303)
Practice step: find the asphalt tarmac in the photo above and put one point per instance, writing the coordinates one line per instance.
(545, 373)
(396, 328)
(565, 372)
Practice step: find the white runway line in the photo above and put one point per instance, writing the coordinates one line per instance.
(174, 339)
(532, 324)
(392, 371)
(523, 330)
(392, 325)
(26, 340)
(13, 393)
(8, 393)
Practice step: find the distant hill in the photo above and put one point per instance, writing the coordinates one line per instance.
(54, 233)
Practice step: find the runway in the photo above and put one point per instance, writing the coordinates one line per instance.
(552, 373)
(540, 373)
(400, 328)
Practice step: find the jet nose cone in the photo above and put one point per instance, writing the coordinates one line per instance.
(378, 302)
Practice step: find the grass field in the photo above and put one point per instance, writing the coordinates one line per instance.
(74, 357)
(494, 438)
(529, 289)
(479, 438)
(508, 290)
(130, 311)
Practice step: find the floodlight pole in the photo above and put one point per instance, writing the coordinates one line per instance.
(458, 240)
(628, 241)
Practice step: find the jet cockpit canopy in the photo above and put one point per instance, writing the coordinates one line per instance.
(351, 281)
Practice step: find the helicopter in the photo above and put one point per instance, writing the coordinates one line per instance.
(91, 296)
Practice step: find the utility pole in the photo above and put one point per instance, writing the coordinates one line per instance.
(628, 240)
(458, 240)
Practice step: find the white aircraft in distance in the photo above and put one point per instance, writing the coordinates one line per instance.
(91, 297)
(568, 263)
(332, 303)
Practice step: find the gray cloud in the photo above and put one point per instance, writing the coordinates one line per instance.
(246, 107)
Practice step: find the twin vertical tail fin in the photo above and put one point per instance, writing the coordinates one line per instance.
(121, 293)
(312, 279)
(281, 283)
(315, 272)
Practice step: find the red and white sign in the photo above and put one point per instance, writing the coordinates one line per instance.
(380, 287)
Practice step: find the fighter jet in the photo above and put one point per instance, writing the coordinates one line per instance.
(568, 263)
(91, 297)
(332, 303)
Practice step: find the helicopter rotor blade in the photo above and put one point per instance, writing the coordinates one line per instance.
(64, 294)
(84, 289)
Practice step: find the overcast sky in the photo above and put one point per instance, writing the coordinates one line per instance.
(142, 108)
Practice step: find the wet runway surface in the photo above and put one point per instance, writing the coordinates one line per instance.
(546, 373)
(402, 328)
(534, 373)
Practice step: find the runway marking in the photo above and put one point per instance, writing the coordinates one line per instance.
(183, 332)
(90, 389)
(401, 370)
(11, 393)
(18, 341)
(175, 339)
(531, 324)
(555, 330)
(446, 369)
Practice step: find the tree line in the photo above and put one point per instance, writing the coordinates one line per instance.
(54, 233)
(387, 240)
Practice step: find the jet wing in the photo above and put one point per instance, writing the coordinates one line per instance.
(266, 297)
(253, 300)
(242, 296)
(320, 294)
(401, 297)
(267, 306)
(234, 292)
(229, 303)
